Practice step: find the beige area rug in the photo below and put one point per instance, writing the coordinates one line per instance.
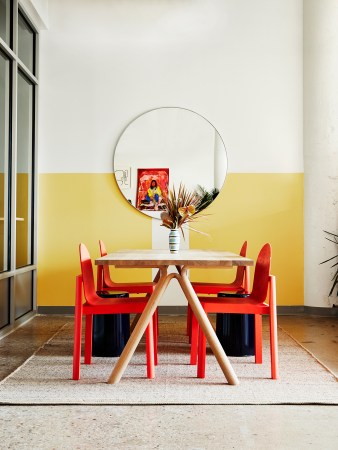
(45, 378)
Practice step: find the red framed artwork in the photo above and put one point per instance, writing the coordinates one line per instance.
(152, 188)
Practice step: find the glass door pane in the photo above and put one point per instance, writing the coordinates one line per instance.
(5, 20)
(23, 293)
(24, 176)
(4, 131)
(4, 302)
(25, 43)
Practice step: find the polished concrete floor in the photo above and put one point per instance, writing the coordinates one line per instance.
(170, 426)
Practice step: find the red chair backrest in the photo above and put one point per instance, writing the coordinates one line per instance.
(106, 273)
(87, 275)
(103, 250)
(240, 269)
(261, 276)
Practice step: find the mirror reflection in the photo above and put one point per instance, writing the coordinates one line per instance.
(163, 148)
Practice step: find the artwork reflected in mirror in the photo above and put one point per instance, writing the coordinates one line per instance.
(152, 189)
(180, 140)
(122, 177)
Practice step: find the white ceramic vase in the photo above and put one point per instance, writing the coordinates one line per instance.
(174, 240)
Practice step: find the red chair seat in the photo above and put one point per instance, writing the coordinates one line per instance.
(234, 305)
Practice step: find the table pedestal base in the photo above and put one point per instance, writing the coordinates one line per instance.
(161, 285)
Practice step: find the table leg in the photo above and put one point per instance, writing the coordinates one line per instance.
(207, 328)
(140, 327)
(137, 316)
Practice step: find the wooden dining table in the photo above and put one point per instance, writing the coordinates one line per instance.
(183, 261)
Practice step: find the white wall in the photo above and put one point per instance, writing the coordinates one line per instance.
(320, 144)
(238, 63)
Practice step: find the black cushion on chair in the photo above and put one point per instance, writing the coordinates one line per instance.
(112, 294)
(233, 294)
(235, 331)
(110, 331)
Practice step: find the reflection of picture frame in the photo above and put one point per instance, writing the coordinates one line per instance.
(122, 176)
(151, 200)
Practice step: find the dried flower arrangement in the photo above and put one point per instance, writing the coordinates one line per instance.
(182, 208)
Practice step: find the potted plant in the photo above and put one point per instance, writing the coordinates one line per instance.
(206, 197)
(332, 237)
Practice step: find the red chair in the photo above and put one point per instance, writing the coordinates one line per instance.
(105, 282)
(241, 284)
(264, 285)
(94, 304)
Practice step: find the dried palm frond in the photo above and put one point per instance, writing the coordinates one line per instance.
(181, 208)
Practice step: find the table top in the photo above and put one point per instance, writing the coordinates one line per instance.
(189, 258)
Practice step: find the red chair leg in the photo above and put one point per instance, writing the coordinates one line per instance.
(77, 329)
(193, 339)
(189, 318)
(202, 348)
(155, 333)
(273, 347)
(155, 321)
(258, 339)
(246, 283)
(150, 350)
(273, 330)
(88, 339)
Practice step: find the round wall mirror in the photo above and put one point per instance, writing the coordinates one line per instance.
(163, 148)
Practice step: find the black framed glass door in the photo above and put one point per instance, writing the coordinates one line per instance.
(18, 97)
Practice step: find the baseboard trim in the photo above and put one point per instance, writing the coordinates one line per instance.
(307, 311)
(62, 310)
(181, 310)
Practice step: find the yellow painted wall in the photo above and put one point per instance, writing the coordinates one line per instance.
(77, 208)
(259, 208)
